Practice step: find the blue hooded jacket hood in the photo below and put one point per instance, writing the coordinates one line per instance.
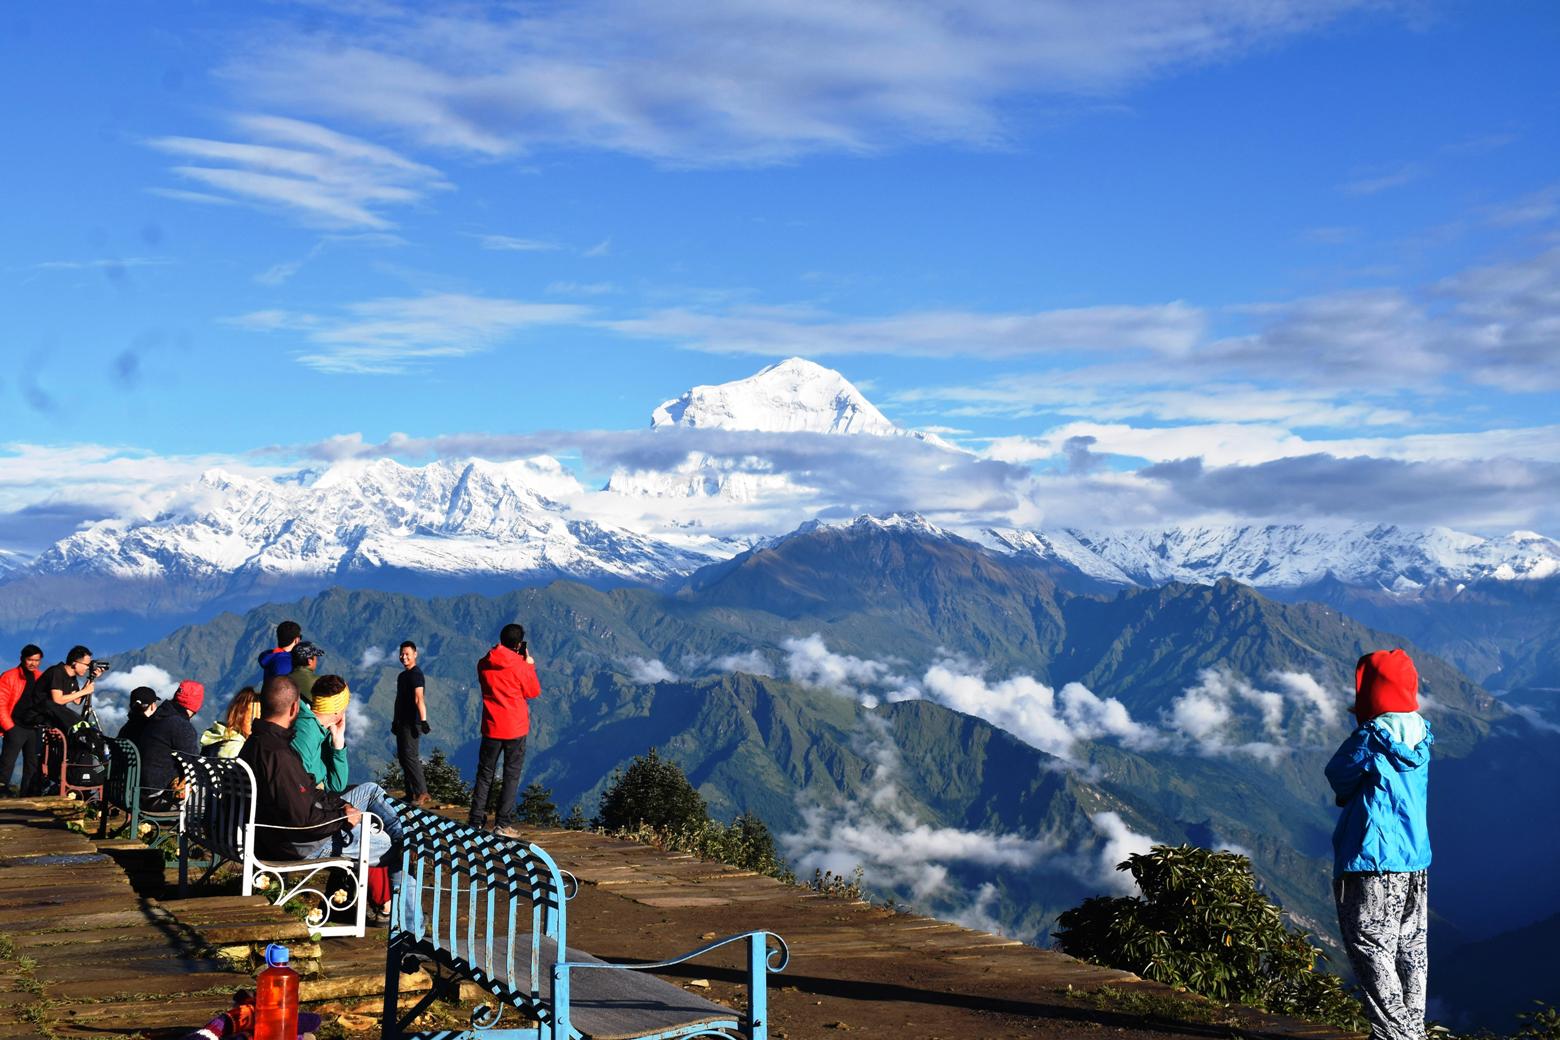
(1381, 779)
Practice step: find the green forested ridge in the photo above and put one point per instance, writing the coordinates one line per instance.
(751, 743)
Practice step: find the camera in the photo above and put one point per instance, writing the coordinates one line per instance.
(97, 669)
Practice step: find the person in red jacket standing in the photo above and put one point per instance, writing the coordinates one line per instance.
(19, 740)
(508, 678)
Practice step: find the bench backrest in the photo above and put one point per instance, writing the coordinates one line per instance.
(218, 811)
(492, 908)
(122, 788)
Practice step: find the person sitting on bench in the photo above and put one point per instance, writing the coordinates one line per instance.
(320, 738)
(167, 731)
(143, 704)
(329, 824)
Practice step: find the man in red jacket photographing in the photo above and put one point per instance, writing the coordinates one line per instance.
(508, 678)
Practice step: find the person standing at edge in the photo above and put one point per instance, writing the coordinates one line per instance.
(278, 659)
(410, 724)
(19, 739)
(507, 675)
(1381, 846)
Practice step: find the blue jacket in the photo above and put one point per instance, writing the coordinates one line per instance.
(276, 662)
(1381, 775)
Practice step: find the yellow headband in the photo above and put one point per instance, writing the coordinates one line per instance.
(333, 703)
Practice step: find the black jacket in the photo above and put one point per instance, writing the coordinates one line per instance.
(286, 795)
(167, 731)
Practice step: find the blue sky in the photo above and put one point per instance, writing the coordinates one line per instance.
(1242, 233)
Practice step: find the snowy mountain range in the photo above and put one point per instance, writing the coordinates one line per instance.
(233, 541)
(1289, 556)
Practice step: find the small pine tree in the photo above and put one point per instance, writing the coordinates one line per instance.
(575, 821)
(537, 808)
(652, 792)
(445, 784)
(1203, 924)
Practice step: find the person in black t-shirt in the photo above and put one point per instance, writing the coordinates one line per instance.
(47, 702)
(410, 723)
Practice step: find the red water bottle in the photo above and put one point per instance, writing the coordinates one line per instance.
(276, 997)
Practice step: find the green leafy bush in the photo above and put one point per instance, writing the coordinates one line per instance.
(652, 792)
(445, 784)
(1202, 923)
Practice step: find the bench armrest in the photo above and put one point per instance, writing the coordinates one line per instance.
(316, 826)
(784, 953)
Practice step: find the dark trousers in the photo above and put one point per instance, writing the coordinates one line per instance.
(20, 740)
(406, 753)
(487, 764)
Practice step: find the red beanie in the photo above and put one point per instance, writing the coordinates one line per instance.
(1385, 681)
(190, 695)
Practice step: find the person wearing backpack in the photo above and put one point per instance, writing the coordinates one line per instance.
(278, 659)
(19, 740)
(168, 730)
(1381, 846)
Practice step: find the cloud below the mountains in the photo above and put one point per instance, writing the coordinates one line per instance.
(372, 658)
(883, 836)
(810, 662)
(648, 671)
(1050, 720)
(1120, 841)
(1208, 716)
(112, 700)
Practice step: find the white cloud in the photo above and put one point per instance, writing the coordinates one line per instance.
(884, 836)
(1208, 716)
(311, 173)
(388, 336)
(372, 658)
(360, 726)
(1170, 329)
(648, 671)
(1121, 841)
(705, 83)
(753, 662)
(1034, 713)
(511, 244)
(810, 662)
(112, 699)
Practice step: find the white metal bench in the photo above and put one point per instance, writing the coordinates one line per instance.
(218, 815)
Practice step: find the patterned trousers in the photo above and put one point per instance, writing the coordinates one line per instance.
(1384, 919)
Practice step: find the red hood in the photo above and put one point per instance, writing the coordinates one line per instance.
(1385, 681)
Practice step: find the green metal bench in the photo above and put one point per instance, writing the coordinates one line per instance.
(494, 911)
(122, 791)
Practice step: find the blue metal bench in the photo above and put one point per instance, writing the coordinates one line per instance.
(494, 911)
(122, 791)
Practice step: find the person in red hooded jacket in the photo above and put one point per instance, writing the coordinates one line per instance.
(19, 740)
(507, 675)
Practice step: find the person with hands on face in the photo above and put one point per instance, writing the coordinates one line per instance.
(320, 738)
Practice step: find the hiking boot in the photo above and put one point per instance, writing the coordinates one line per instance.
(509, 830)
(423, 800)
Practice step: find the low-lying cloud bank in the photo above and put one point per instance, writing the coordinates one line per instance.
(1222, 714)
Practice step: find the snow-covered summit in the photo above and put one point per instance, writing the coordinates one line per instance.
(794, 396)
(1383, 556)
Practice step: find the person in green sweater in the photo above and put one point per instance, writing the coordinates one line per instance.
(320, 732)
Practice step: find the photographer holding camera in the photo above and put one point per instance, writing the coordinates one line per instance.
(47, 702)
(507, 674)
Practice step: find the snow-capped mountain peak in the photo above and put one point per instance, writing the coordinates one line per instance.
(793, 396)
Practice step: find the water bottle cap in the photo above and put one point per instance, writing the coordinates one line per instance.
(276, 955)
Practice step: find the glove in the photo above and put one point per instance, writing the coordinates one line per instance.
(424, 727)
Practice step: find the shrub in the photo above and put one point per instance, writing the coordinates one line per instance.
(652, 792)
(445, 784)
(1203, 924)
(536, 806)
